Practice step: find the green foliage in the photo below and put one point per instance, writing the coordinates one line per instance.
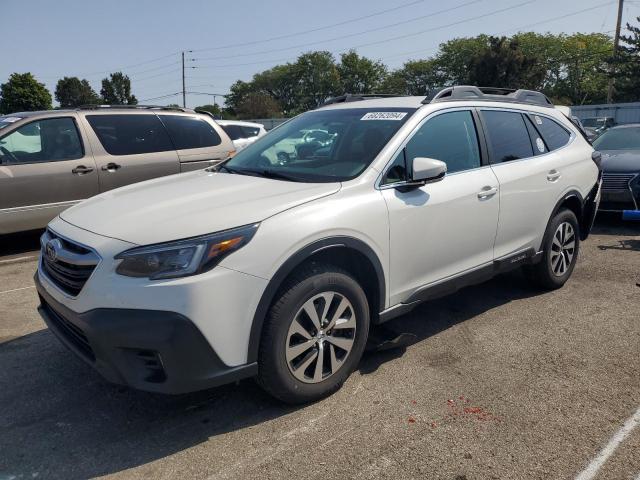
(73, 92)
(116, 90)
(23, 93)
(359, 74)
(258, 105)
(626, 66)
(504, 64)
(213, 109)
(571, 69)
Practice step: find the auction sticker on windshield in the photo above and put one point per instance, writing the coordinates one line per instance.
(384, 116)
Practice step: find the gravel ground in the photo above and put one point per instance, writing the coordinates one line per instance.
(504, 382)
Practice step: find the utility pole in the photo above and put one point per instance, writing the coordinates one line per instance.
(616, 43)
(184, 94)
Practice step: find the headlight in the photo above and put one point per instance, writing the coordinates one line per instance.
(184, 257)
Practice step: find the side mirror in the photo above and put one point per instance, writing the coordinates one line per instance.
(428, 170)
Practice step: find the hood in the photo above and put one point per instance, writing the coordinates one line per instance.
(188, 205)
(621, 161)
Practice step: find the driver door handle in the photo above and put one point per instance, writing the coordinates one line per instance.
(81, 170)
(110, 167)
(553, 175)
(487, 192)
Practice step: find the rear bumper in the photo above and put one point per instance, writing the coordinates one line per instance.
(590, 208)
(150, 350)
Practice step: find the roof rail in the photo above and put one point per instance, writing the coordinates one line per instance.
(133, 107)
(490, 94)
(350, 97)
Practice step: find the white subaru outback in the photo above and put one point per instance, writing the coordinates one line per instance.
(276, 263)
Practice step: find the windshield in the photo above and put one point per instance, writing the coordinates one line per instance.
(321, 146)
(6, 121)
(593, 122)
(619, 139)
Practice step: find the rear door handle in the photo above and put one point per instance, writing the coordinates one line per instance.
(81, 170)
(110, 167)
(553, 175)
(487, 192)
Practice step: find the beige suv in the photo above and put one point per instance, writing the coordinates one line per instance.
(51, 160)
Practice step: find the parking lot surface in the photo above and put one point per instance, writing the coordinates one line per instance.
(503, 382)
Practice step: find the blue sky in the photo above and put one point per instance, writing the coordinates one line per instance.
(234, 39)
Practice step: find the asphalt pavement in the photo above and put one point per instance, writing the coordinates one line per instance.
(503, 382)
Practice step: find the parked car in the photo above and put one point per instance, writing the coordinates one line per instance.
(597, 126)
(50, 160)
(242, 133)
(620, 148)
(278, 270)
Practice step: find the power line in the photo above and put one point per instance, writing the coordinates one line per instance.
(363, 32)
(289, 35)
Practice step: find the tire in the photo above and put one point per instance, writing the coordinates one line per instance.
(292, 347)
(560, 248)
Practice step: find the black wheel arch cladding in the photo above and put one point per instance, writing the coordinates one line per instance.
(296, 260)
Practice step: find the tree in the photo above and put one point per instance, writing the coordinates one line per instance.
(116, 90)
(504, 64)
(452, 58)
(73, 92)
(360, 74)
(23, 93)
(213, 109)
(626, 66)
(316, 79)
(258, 105)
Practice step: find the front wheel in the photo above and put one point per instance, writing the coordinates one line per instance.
(314, 335)
(559, 251)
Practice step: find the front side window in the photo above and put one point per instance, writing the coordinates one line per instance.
(449, 137)
(508, 136)
(190, 132)
(627, 138)
(553, 134)
(330, 145)
(48, 140)
(130, 134)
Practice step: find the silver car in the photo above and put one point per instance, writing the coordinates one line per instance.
(51, 160)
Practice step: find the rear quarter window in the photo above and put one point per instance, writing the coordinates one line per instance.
(554, 135)
(130, 134)
(190, 132)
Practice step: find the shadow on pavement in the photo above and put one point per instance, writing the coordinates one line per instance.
(22, 242)
(59, 419)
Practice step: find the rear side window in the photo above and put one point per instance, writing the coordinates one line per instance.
(553, 134)
(250, 131)
(48, 140)
(190, 132)
(234, 131)
(130, 134)
(508, 136)
(449, 137)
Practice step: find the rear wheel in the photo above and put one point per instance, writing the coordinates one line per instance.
(314, 335)
(560, 251)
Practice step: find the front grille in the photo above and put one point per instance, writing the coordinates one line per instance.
(70, 331)
(616, 182)
(70, 266)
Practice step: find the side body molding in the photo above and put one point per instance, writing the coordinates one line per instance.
(296, 260)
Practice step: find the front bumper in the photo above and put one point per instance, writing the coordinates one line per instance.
(157, 351)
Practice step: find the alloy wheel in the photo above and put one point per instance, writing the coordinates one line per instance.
(563, 248)
(320, 337)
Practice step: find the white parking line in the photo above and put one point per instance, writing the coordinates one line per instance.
(595, 465)
(638, 477)
(19, 259)
(17, 289)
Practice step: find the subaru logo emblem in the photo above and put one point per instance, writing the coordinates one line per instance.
(51, 249)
